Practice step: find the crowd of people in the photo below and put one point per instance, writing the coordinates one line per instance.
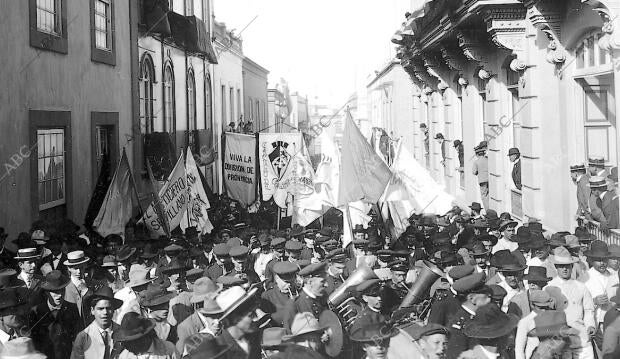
(468, 284)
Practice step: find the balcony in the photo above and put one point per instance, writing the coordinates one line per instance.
(611, 236)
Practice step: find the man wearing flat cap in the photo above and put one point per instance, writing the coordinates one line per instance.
(241, 270)
(430, 342)
(284, 292)
(473, 294)
(335, 268)
(312, 297)
(277, 247)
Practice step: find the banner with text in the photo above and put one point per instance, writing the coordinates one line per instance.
(284, 166)
(240, 167)
(174, 198)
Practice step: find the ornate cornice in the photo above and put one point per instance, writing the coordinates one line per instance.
(432, 62)
(421, 72)
(472, 45)
(546, 16)
(506, 26)
(453, 57)
(609, 14)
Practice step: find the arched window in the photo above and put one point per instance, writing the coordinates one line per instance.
(589, 54)
(147, 77)
(208, 103)
(191, 101)
(169, 104)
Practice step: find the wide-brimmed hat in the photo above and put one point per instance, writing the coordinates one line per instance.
(598, 249)
(551, 323)
(561, 255)
(7, 272)
(235, 299)
(478, 249)
(39, 237)
(272, 337)
(13, 300)
(104, 292)
(133, 327)
(303, 323)
(509, 263)
(210, 307)
(76, 258)
(204, 288)
(476, 206)
(175, 267)
(486, 238)
(54, 281)
(209, 347)
(124, 253)
(505, 224)
(537, 274)
(480, 223)
(20, 348)
(27, 253)
(153, 297)
(490, 323)
(109, 262)
(522, 236)
(139, 276)
(583, 234)
(541, 299)
(373, 333)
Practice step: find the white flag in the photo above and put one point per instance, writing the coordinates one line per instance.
(174, 198)
(197, 215)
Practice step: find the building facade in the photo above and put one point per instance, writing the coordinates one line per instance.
(536, 75)
(255, 94)
(66, 109)
(173, 79)
(299, 111)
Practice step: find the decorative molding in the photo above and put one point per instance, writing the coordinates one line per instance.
(546, 16)
(471, 43)
(609, 14)
(506, 25)
(453, 58)
(432, 62)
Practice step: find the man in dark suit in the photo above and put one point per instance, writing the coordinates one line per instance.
(27, 261)
(515, 157)
(581, 179)
(208, 257)
(283, 293)
(241, 270)
(311, 299)
(222, 263)
(58, 321)
(57, 258)
(336, 264)
(603, 200)
(473, 294)
(238, 325)
(205, 321)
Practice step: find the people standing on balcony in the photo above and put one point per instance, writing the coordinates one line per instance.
(424, 130)
(597, 167)
(480, 168)
(515, 157)
(458, 145)
(602, 204)
(581, 179)
(476, 211)
(442, 144)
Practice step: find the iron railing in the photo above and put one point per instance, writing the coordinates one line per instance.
(609, 236)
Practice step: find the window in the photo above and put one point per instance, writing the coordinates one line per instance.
(51, 167)
(48, 16)
(169, 104)
(147, 77)
(232, 105)
(48, 25)
(512, 84)
(104, 139)
(189, 7)
(208, 103)
(223, 106)
(588, 53)
(191, 101)
(482, 91)
(102, 31)
(239, 99)
(599, 120)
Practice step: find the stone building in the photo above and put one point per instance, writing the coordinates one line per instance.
(66, 105)
(537, 75)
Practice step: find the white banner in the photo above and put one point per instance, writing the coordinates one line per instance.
(197, 215)
(285, 166)
(240, 167)
(174, 198)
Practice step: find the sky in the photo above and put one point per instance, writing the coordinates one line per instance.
(323, 48)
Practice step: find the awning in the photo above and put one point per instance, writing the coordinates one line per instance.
(154, 16)
(191, 33)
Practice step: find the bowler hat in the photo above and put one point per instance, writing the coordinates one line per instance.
(522, 236)
(476, 206)
(536, 274)
(583, 234)
(598, 249)
(513, 151)
(133, 327)
(457, 143)
(54, 281)
(155, 296)
(490, 323)
(510, 263)
(506, 224)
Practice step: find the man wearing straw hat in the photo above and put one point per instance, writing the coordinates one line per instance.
(27, 259)
(139, 279)
(580, 309)
(240, 330)
(77, 287)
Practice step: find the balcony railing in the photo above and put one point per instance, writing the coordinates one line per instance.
(610, 236)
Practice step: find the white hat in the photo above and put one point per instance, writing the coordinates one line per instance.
(76, 258)
(27, 253)
(230, 297)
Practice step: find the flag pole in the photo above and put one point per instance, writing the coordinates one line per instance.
(189, 199)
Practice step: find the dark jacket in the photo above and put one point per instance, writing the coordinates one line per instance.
(277, 303)
(516, 174)
(444, 309)
(458, 342)
(304, 303)
(54, 332)
(235, 351)
(331, 283)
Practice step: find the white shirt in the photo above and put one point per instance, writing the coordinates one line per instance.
(511, 292)
(261, 264)
(80, 284)
(206, 329)
(309, 294)
(4, 337)
(109, 332)
(56, 261)
(598, 284)
(524, 344)
(26, 278)
(503, 243)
